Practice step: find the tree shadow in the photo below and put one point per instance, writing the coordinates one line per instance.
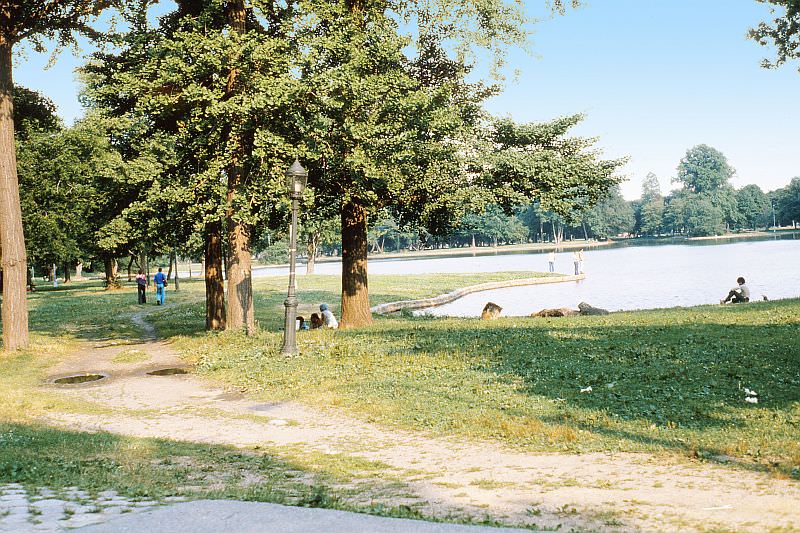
(652, 385)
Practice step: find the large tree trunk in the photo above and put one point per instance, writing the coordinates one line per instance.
(67, 279)
(240, 314)
(130, 267)
(12, 238)
(111, 266)
(215, 288)
(355, 293)
(240, 282)
(175, 260)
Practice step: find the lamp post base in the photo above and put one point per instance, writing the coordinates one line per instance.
(289, 332)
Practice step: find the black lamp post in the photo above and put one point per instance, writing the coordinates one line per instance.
(296, 178)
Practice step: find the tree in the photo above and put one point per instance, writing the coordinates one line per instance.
(782, 32)
(651, 188)
(519, 163)
(704, 169)
(611, 216)
(787, 202)
(753, 206)
(651, 217)
(384, 126)
(216, 78)
(22, 20)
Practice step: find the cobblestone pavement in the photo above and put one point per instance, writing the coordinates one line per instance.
(48, 510)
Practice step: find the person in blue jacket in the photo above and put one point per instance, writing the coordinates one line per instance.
(161, 282)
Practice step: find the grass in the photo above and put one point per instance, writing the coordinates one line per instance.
(663, 381)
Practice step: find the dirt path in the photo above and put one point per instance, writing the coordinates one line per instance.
(607, 492)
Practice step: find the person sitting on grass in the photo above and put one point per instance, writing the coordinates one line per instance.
(316, 321)
(328, 320)
(737, 295)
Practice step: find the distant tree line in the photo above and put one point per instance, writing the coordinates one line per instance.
(705, 204)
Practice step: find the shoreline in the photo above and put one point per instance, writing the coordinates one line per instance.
(442, 299)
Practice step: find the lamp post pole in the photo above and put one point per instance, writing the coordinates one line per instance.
(296, 179)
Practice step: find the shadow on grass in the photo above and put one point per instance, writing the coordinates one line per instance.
(37, 456)
(670, 384)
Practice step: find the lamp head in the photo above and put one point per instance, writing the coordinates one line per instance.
(296, 177)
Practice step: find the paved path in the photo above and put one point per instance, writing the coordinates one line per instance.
(46, 510)
(247, 517)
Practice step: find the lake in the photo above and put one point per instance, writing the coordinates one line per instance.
(618, 277)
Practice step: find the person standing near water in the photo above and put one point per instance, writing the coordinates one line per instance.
(551, 259)
(141, 287)
(161, 282)
(577, 262)
(580, 261)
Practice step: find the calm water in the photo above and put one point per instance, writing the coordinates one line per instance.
(620, 277)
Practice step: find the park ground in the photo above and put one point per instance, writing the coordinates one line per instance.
(444, 419)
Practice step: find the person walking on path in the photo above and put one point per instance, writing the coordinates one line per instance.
(577, 262)
(551, 259)
(161, 282)
(328, 320)
(738, 295)
(580, 261)
(141, 287)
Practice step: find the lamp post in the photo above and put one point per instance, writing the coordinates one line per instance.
(296, 177)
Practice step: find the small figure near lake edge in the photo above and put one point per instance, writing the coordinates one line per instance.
(737, 295)
(551, 259)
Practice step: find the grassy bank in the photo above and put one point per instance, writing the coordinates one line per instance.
(664, 381)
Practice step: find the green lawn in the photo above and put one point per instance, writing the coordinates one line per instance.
(668, 381)
(662, 381)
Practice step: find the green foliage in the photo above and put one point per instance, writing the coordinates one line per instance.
(33, 112)
(49, 20)
(704, 170)
(782, 32)
(66, 178)
(651, 188)
(537, 162)
(787, 202)
(492, 226)
(753, 206)
(611, 216)
(651, 217)
(694, 214)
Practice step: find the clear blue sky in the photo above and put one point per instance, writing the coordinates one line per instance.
(654, 78)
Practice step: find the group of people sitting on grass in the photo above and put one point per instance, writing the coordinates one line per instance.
(324, 319)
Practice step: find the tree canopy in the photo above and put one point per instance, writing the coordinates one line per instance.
(781, 32)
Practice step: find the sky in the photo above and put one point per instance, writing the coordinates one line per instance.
(654, 78)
